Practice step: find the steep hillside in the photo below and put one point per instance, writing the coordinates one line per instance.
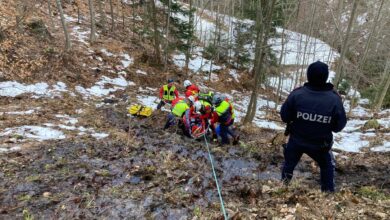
(69, 150)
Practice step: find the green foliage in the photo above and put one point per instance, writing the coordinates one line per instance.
(371, 93)
(182, 30)
(344, 87)
(243, 35)
(209, 51)
(27, 215)
(373, 193)
(371, 124)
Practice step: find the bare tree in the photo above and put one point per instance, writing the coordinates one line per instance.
(21, 13)
(345, 45)
(67, 39)
(92, 36)
(112, 16)
(189, 40)
(167, 35)
(156, 34)
(102, 12)
(362, 62)
(260, 54)
(386, 87)
(50, 13)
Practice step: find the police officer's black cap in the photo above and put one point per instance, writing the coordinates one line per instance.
(170, 80)
(317, 73)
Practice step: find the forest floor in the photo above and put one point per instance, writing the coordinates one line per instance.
(68, 149)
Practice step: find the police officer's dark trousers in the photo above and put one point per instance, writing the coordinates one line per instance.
(293, 153)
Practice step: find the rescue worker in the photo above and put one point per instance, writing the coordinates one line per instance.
(224, 115)
(191, 89)
(208, 97)
(168, 93)
(194, 123)
(312, 113)
(178, 110)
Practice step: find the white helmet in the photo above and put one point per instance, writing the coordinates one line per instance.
(187, 83)
(191, 99)
(197, 106)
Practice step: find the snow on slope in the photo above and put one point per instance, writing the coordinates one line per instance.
(296, 44)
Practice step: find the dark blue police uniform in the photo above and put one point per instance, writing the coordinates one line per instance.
(313, 112)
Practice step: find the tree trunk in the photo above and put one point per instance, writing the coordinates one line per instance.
(102, 14)
(157, 52)
(123, 15)
(364, 57)
(50, 13)
(189, 40)
(308, 42)
(279, 88)
(386, 87)
(345, 46)
(92, 36)
(78, 15)
(167, 35)
(252, 107)
(112, 16)
(67, 39)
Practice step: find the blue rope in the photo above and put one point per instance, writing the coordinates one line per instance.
(216, 180)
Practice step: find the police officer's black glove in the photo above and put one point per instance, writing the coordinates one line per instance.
(326, 146)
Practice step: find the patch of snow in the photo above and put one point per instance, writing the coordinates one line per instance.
(66, 127)
(384, 148)
(138, 18)
(353, 125)
(141, 72)
(332, 75)
(99, 58)
(362, 19)
(353, 92)
(13, 89)
(240, 107)
(351, 142)
(4, 150)
(263, 123)
(100, 90)
(295, 44)
(67, 119)
(99, 135)
(196, 64)
(82, 36)
(234, 74)
(384, 122)
(105, 51)
(150, 101)
(69, 18)
(28, 112)
(364, 101)
(127, 61)
(34, 132)
(213, 77)
(122, 73)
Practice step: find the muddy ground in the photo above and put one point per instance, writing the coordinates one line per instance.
(142, 172)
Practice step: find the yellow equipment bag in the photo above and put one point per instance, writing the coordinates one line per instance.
(140, 110)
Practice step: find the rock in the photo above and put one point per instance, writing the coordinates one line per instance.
(371, 124)
(46, 194)
(265, 189)
(381, 215)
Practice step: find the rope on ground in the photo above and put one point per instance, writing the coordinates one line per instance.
(216, 179)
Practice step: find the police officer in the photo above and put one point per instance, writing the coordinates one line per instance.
(312, 113)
